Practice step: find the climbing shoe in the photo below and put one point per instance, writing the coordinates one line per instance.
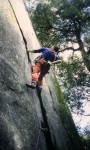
(32, 85)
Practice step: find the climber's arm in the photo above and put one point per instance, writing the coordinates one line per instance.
(57, 62)
(31, 51)
(37, 51)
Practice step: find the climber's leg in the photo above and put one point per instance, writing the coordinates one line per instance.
(44, 70)
(35, 73)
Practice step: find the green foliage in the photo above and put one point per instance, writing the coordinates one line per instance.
(60, 20)
(86, 143)
(43, 19)
(66, 118)
(73, 71)
(62, 103)
(86, 138)
(73, 76)
(87, 39)
(73, 79)
(87, 132)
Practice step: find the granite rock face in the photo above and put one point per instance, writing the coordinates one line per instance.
(23, 111)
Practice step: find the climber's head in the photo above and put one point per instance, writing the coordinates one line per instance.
(55, 48)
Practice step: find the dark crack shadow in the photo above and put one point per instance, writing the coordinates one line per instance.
(44, 124)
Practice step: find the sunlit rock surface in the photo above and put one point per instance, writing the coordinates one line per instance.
(23, 111)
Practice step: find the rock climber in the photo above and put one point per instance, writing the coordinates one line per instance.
(42, 65)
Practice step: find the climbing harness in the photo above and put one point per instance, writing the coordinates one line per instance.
(37, 59)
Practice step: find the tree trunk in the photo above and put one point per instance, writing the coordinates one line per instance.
(85, 55)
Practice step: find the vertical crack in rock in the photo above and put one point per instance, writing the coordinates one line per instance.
(24, 39)
(47, 134)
